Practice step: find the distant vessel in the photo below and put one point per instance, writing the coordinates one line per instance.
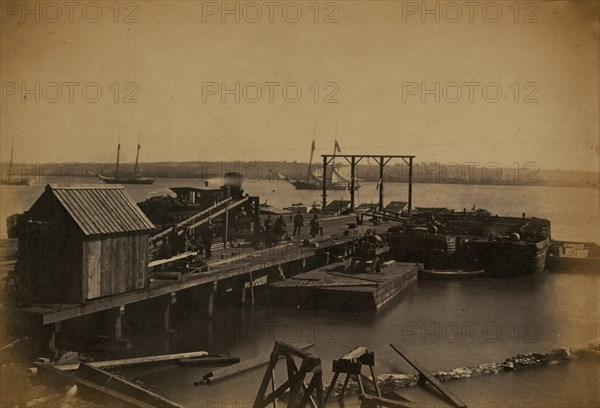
(8, 181)
(134, 179)
(335, 179)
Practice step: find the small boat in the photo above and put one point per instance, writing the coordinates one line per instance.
(449, 274)
(133, 179)
(574, 257)
(9, 181)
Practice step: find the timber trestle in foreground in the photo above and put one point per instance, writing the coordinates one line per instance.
(304, 383)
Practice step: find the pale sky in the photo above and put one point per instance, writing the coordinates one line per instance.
(375, 60)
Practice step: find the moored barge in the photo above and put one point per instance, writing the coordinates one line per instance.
(473, 240)
(329, 288)
(574, 257)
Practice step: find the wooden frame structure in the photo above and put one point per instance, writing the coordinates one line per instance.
(351, 365)
(295, 382)
(426, 376)
(381, 160)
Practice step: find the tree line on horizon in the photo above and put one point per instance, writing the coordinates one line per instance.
(423, 172)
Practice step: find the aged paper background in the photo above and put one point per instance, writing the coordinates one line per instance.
(508, 86)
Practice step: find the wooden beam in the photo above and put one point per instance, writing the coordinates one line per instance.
(90, 386)
(209, 361)
(128, 362)
(243, 366)
(177, 257)
(429, 376)
(123, 386)
(251, 288)
(182, 224)
(218, 213)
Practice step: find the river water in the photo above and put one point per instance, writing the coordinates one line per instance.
(443, 324)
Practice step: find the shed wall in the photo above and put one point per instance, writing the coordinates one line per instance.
(114, 264)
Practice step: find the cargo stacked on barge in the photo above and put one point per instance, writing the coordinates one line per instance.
(473, 240)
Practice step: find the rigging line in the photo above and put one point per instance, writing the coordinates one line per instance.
(118, 114)
(377, 187)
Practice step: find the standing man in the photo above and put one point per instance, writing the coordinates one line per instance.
(268, 227)
(314, 226)
(164, 251)
(207, 240)
(279, 228)
(174, 241)
(298, 223)
(257, 232)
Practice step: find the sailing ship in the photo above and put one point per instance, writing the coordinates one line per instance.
(9, 181)
(336, 179)
(133, 179)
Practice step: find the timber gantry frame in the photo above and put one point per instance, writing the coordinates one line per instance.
(381, 160)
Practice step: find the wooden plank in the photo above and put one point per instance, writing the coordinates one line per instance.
(241, 367)
(87, 385)
(343, 275)
(184, 222)
(172, 259)
(429, 376)
(123, 386)
(355, 354)
(128, 362)
(209, 361)
(218, 213)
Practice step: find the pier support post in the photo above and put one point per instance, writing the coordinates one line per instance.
(225, 233)
(53, 338)
(381, 167)
(166, 320)
(352, 182)
(410, 180)
(210, 298)
(251, 288)
(116, 331)
(167, 316)
(324, 182)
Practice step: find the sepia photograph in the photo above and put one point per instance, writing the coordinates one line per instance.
(304, 203)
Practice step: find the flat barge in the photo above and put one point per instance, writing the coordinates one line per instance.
(574, 257)
(329, 288)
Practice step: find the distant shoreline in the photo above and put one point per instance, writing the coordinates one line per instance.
(423, 173)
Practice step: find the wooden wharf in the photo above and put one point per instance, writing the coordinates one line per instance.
(243, 265)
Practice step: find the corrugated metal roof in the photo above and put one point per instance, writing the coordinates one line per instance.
(99, 209)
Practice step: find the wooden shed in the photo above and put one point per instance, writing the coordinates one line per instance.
(82, 242)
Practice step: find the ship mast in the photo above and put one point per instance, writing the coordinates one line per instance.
(117, 166)
(335, 147)
(312, 151)
(12, 146)
(137, 156)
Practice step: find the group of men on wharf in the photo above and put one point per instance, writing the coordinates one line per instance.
(277, 231)
(201, 240)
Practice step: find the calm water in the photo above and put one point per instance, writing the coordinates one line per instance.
(444, 324)
(574, 212)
